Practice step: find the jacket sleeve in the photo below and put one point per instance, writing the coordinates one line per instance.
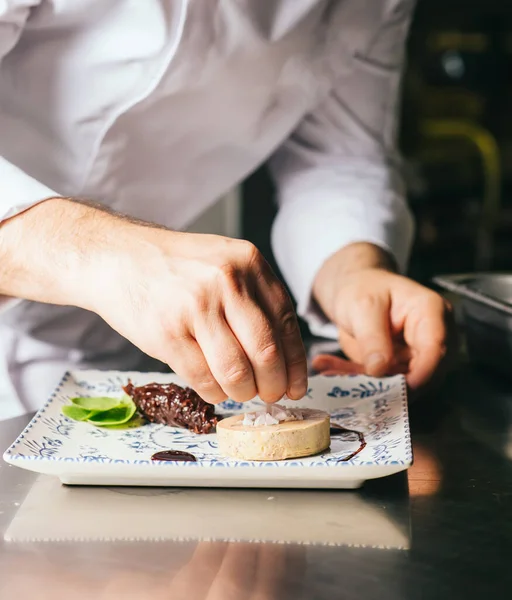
(18, 191)
(338, 176)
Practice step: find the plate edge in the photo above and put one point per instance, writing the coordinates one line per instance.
(36, 417)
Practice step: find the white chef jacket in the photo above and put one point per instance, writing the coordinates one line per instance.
(157, 107)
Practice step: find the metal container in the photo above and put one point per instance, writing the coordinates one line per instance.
(485, 304)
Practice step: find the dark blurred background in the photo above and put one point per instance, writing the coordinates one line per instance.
(456, 139)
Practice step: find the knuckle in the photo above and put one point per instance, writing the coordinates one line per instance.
(175, 327)
(237, 375)
(282, 297)
(209, 322)
(268, 355)
(367, 302)
(249, 249)
(289, 323)
(437, 303)
(200, 303)
(231, 278)
(430, 300)
(205, 384)
(171, 335)
(251, 254)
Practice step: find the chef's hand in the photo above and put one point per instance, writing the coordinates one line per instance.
(387, 323)
(208, 306)
(212, 309)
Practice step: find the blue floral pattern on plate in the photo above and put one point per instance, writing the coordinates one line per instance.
(376, 408)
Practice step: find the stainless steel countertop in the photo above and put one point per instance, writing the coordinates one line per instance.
(443, 530)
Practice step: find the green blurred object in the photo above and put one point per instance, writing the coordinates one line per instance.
(102, 411)
(96, 404)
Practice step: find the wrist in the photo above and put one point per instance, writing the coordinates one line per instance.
(125, 254)
(346, 262)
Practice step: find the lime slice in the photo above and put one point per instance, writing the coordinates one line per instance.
(97, 404)
(135, 422)
(115, 416)
(76, 412)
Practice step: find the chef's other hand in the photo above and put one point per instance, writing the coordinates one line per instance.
(387, 323)
(208, 306)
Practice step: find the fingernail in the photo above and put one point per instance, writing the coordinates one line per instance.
(375, 361)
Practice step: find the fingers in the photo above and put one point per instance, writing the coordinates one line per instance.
(260, 342)
(235, 578)
(371, 328)
(279, 308)
(195, 579)
(227, 360)
(260, 314)
(187, 359)
(424, 364)
(239, 335)
(239, 359)
(425, 334)
(271, 572)
(391, 325)
(231, 571)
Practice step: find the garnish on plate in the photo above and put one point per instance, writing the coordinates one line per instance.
(166, 404)
(101, 411)
(170, 404)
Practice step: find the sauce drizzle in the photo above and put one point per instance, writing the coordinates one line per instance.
(338, 429)
(174, 456)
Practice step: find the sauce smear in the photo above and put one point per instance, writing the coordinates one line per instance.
(174, 456)
(338, 429)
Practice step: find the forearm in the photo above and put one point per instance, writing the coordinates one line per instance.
(49, 253)
(348, 260)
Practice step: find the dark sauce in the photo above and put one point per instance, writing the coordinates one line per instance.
(339, 430)
(174, 455)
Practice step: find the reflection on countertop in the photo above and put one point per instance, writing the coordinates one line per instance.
(54, 513)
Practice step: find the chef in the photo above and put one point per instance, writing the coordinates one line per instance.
(121, 121)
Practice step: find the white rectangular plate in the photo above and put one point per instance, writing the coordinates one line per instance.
(82, 454)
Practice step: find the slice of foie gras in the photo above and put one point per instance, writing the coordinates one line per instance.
(285, 439)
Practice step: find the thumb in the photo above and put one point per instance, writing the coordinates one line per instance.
(371, 330)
